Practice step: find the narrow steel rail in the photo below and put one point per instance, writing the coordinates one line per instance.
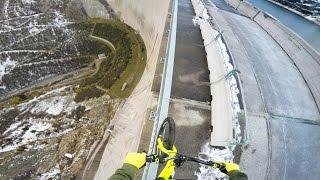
(150, 171)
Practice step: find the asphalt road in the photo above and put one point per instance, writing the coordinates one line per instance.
(283, 119)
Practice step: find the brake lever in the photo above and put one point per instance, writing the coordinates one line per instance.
(217, 165)
(222, 168)
(152, 158)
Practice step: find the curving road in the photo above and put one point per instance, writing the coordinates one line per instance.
(283, 119)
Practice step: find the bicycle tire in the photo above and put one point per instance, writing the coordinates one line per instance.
(167, 133)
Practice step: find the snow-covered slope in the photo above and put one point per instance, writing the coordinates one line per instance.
(37, 41)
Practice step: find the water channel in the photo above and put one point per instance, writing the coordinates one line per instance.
(306, 29)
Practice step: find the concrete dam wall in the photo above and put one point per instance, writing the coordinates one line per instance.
(147, 17)
(305, 58)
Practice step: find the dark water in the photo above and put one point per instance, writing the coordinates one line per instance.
(308, 30)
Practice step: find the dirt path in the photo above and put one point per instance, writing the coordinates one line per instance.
(104, 41)
(97, 63)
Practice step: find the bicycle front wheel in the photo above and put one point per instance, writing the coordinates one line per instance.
(167, 133)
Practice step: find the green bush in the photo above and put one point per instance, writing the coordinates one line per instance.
(78, 112)
(88, 92)
(21, 148)
(15, 100)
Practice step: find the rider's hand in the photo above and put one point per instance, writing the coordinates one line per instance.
(229, 167)
(136, 159)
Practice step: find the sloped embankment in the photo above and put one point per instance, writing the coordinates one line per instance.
(49, 134)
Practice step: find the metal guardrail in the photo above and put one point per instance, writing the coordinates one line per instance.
(150, 171)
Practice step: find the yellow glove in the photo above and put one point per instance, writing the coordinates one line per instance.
(227, 167)
(232, 167)
(136, 159)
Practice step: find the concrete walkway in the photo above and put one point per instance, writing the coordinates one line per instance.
(190, 71)
(191, 74)
(282, 115)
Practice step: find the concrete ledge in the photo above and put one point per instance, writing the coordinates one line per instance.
(305, 58)
(247, 9)
(221, 109)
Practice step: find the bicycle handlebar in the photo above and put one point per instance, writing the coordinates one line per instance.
(209, 163)
(179, 159)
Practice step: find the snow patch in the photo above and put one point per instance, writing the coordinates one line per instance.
(30, 134)
(59, 20)
(68, 155)
(34, 30)
(13, 127)
(40, 146)
(6, 8)
(72, 106)
(25, 136)
(26, 106)
(52, 174)
(6, 66)
(217, 155)
(28, 1)
(53, 105)
(23, 132)
(31, 130)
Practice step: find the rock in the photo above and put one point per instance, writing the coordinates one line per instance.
(68, 155)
